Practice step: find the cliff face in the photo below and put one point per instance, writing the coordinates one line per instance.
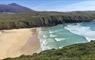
(27, 20)
(54, 20)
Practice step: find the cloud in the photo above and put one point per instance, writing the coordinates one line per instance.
(81, 6)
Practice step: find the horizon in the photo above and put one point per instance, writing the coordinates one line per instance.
(55, 5)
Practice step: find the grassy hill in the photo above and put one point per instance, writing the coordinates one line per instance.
(83, 51)
(14, 16)
(40, 19)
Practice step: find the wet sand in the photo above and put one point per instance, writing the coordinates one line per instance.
(16, 42)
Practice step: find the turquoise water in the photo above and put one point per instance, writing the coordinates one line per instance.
(64, 35)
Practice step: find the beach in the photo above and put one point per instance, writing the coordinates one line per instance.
(16, 42)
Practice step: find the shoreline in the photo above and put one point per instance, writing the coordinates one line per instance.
(17, 42)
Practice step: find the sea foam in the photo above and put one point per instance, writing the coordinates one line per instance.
(85, 31)
(59, 39)
(42, 40)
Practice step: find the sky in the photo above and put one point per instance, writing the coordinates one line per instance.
(55, 5)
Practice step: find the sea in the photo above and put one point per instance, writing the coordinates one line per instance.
(63, 35)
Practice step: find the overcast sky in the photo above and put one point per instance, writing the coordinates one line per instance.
(55, 5)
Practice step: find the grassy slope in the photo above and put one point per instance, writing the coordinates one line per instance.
(84, 51)
(39, 19)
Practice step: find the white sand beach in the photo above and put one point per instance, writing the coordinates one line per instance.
(16, 42)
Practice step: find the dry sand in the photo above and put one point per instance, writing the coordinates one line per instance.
(16, 42)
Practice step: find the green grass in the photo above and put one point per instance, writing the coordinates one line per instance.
(29, 20)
